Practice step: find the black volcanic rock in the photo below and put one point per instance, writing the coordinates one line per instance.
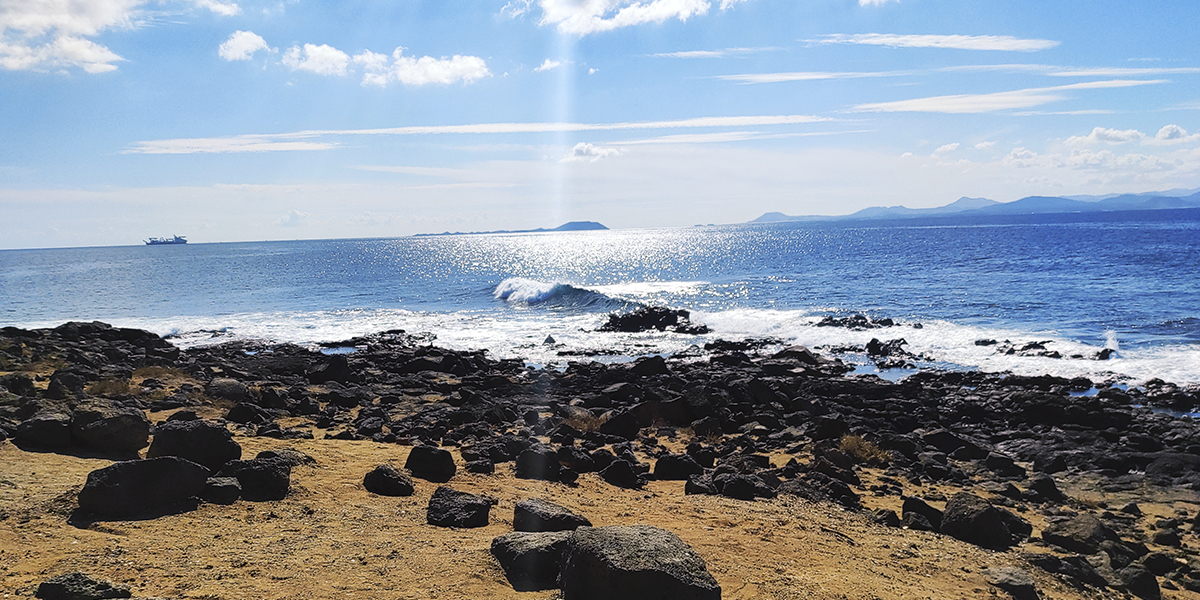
(80, 586)
(637, 562)
(431, 464)
(653, 318)
(262, 479)
(531, 560)
(387, 480)
(535, 514)
(452, 508)
(203, 442)
(135, 487)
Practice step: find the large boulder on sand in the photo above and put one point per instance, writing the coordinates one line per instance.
(261, 478)
(107, 426)
(202, 442)
(531, 560)
(430, 463)
(535, 514)
(452, 508)
(637, 562)
(972, 519)
(80, 586)
(387, 480)
(135, 487)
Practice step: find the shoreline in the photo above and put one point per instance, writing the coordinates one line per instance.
(763, 428)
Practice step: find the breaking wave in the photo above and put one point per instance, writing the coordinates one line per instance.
(518, 290)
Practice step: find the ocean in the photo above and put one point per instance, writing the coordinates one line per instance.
(1077, 284)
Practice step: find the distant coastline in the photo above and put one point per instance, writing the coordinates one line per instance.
(1032, 205)
(571, 226)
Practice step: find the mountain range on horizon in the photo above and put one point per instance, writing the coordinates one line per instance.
(965, 206)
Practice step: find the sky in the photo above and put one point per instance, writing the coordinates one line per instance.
(243, 120)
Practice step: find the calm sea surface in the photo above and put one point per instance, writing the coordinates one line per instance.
(1129, 282)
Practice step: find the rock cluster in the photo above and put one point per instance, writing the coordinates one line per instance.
(737, 402)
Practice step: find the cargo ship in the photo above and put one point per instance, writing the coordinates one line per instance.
(179, 239)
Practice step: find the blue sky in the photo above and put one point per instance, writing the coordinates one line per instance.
(239, 120)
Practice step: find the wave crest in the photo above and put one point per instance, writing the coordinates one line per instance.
(519, 290)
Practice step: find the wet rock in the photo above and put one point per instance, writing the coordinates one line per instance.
(431, 464)
(80, 586)
(535, 514)
(202, 442)
(262, 479)
(653, 317)
(136, 487)
(1083, 534)
(386, 480)
(1015, 581)
(221, 490)
(335, 368)
(972, 519)
(452, 508)
(634, 563)
(531, 561)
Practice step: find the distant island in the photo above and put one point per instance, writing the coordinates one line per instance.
(978, 207)
(572, 226)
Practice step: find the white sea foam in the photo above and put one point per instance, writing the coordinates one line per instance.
(527, 291)
(520, 334)
(642, 289)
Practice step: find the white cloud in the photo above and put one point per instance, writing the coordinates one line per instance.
(594, 16)
(244, 143)
(751, 78)
(290, 141)
(984, 145)
(1123, 71)
(56, 34)
(983, 103)
(224, 9)
(420, 71)
(947, 148)
(548, 64)
(1173, 134)
(592, 71)
(322, 60)
(293, 218)
(874, 2)
(241, 45)
(957, 42)
(585, 152)
(1108, 136)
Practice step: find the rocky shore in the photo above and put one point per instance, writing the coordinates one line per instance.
(1052, 487)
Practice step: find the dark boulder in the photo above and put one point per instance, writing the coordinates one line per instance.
(621, 424)
(742, 486)
(203, 442)
(531, 560)
(107, 426)
(221, 490)
(538, 462)
(248, 414)
(225, 388)
(387, 480)
(972, 519)
(1083, 534)
(431, 464)
(80, 586)
(136, 487)
(653, 318)
(700, 484)
(65, 384)
(261, 479)
(621, 474)
(676, 467)
(47, 428)
(452, 508)
(1015, 581)
(1043, 489)
(638, 562)
(536, 514)
(918, 506)
(1140, 582)
(335, 368)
